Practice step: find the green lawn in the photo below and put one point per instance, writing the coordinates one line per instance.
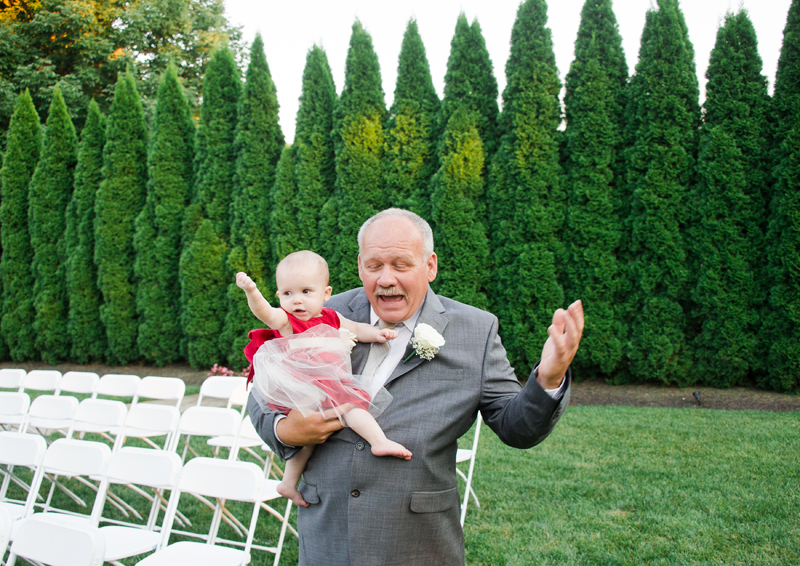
(620, 485)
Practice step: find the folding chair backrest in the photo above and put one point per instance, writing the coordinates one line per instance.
(118, 385)
(70, 457)
(41, 540)
(209, 421)
(53, 407)
(222, 479)
(99, 416)
(220, 387)
(13, 405)
(143, 466)
(161, 388)
(19, 449)
(41, 380)
(81, 382)
(239, 397)
(154, 419)
(11, 378)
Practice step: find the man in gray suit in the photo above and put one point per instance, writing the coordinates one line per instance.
(369, 511)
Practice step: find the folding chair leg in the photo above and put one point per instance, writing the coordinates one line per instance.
(272, 511)
(285, 524)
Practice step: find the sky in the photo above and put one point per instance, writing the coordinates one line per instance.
(290, 29)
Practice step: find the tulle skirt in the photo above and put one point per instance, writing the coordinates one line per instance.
(311, 372)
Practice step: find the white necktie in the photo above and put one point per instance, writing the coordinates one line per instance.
(377, 352)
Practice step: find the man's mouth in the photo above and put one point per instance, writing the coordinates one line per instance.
(390, 295)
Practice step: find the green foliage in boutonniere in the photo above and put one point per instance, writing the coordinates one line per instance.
(426, 342)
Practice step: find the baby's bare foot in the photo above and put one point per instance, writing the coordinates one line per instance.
(391, 448)
(290, 492)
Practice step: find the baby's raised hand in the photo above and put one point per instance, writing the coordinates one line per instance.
(244, 281)
(386, 334)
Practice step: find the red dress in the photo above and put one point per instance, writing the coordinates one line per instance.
(337, 391)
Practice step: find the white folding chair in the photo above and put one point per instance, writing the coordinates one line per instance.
(222, 388)
(26, 450)
(11, 378)
(51, 412)
(41, 380)
(40, 540)
(206, 422)
(222, 480)
(6, 522)
(147, 421)
(464, 455)
(99, 416)
(78, 382)
(118, 385)
(14, 407)
(161, 389)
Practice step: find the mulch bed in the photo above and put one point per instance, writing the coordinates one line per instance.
(586, 392)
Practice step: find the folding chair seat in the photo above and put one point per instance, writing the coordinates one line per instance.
(13, 408)
(221, 388)
(25, 450)
(118, 385)
(51, 412)
(147, 421)
(41, 380)
(464, 455)
(40, 540)
(99, 416)
(78, 382)
(221, 480)
(11, 378)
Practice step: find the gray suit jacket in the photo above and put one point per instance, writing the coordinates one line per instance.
(368, 511)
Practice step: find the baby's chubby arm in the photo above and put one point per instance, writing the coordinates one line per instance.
(366, 333)
(272, 317)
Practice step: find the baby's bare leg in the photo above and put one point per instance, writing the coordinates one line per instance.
(365, 425)
(291, 475)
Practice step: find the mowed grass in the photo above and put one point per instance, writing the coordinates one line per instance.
(620, 485)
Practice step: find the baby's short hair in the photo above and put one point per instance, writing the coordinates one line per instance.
(306, 257)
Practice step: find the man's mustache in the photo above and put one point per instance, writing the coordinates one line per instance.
(389, 291)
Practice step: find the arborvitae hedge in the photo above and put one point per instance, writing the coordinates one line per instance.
(285, 231)
(461, 243)
(359, 135)
(411, 158)
(203, 286)
(158, 227)
(86, 331)
(665, 119)
(314, 156)
(728, 239)
(259, 141)
(50, 192)
(119, 201)
(23, 148)
(527, 197)
(594, 104)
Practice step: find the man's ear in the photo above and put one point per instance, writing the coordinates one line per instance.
(433, 267)
(360, 268)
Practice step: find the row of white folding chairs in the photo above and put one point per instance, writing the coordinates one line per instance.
(161, 470)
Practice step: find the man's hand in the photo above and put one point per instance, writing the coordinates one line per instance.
(561, 346)
(297, 430)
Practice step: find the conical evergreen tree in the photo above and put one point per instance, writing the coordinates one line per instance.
(412, 131)
(286, 237)
(314, 156)
(461, 244)
(158, 227)
(359, 135)
(24, 145)
(665, 118)
(86, 331)
(594, 104)
(259, 141)
(527, 196)
(50, 192)
(470, 81)
(119, 201)
(728, 240)
(203, 286)
(782, 321)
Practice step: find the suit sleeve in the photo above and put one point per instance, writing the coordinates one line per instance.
(521, 417)
(263, 421)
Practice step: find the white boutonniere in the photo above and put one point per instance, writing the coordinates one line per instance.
(426, 342)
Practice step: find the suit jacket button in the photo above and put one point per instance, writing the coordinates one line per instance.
(359, 445)
(355, 493)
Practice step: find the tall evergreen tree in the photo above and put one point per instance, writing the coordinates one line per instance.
(594, 104)
(728, 240)
(526, 200)
(23, 148)
(470, 81)
(119, 201)
(461, 243)
(412, 131)
(286, 236)
(665, 118)
(203, 286)
(314, 157)
(259, 141)
(158, 227)
(86, 331)
(359, 122)
(50, 192)
(782, 322)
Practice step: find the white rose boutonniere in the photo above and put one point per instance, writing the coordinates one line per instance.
(426, 342)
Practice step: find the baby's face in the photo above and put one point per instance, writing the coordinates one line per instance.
(302, 289)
